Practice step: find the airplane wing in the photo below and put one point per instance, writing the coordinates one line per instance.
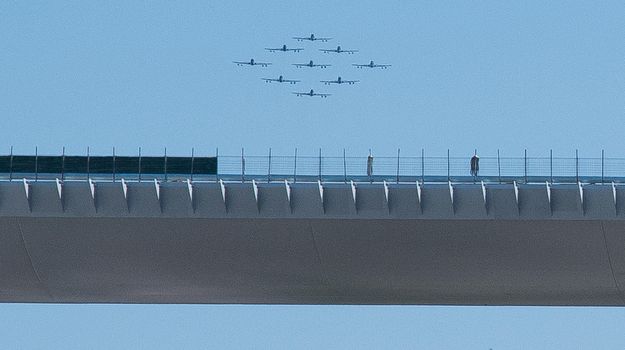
(382, 65)
(294, 50)
(350, 51)
(269, 79)
(360, 65)
(322, 95)
(350, 81)
(327, 50)
(262, 64)
(328, 82)
(299, 38)
(321, 65)
(240, 63)
(290, 81)
(272, 50)
(323, 39)
(300, 93)
(300, 65)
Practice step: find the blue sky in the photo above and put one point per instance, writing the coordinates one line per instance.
(486, 75)
(483, 74)
(308, 327)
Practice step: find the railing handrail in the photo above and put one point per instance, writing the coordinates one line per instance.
(343, 168)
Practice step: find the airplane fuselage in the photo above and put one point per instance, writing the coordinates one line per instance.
(339, 81)
(338, 50)
(310, 64)
(252, 63)
(312, 37)
(371, 64)
(311, 93)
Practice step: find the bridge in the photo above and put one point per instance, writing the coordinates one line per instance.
(232, 238)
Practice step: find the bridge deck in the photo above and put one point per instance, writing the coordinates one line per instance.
(338, 244)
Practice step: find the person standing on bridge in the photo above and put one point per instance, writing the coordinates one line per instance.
(475, 165)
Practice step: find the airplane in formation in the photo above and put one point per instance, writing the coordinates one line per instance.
(283, 49)
(338, 50)
(371, 65)
(311, 94)
(312, 37)
(252, 63)
(311, 65)
(339, 81)
(281, 79)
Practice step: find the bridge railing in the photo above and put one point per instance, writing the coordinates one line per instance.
(311, 168)
(492, 168)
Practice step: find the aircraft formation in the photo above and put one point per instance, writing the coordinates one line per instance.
(311, 64)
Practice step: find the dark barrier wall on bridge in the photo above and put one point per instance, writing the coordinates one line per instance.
(108, 165)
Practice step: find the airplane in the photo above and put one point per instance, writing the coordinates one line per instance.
(281, 80)
(372, 65)
(338, 50)
(339, 81)
(310, 64)
(312, 37)
(283, 49)
(252, 63)
(311, 93)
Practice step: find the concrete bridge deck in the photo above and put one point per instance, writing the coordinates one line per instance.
(310, 244)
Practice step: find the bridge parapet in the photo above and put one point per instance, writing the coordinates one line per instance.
(312, 200)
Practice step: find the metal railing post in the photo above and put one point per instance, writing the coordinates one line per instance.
(36, 164)
(525, 166)
(242, 165)
(370, 167)
(319, 163)
(448, 179)
(88, 164)
(295, 167)
(139, 164)
(269, 171)
(192, 162)
(551, 165)
(602, 163)
(397, 165)
(11, 165)
(498, 167)
(63, 165)
(217, 169)
(422, 165)
(344, 167)
(165, 164)
(576, 166)
(114, 168)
